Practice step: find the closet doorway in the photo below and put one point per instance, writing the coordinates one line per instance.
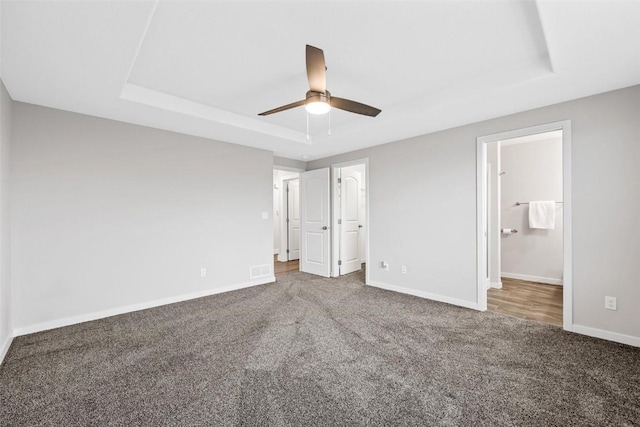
(524, 224)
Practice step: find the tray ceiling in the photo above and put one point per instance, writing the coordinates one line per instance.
(208, 68)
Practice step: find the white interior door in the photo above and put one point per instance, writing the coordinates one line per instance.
(293, 219)
(314, 222)
(350, 226)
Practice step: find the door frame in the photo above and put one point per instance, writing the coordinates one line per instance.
(335, 214)
(481, 168)
(282, 201)
(284, 235)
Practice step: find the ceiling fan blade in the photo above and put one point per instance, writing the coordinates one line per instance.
(316, 69)
(354, 107)
(283, 108)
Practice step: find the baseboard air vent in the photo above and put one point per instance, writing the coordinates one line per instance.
(257, 271)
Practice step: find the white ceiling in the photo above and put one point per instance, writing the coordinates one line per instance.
(208, 68)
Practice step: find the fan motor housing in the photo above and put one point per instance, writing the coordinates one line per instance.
(313, 96)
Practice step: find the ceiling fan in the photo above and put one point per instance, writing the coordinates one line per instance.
(319, 100)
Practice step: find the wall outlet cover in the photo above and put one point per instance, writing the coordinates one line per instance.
(610, 303)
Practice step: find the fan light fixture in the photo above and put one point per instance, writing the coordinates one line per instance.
(317, 102)
(317, 107)
(318, 99)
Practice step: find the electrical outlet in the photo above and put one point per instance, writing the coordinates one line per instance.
(385, 265)
(404, 269)
(610, 303)
(203, 272)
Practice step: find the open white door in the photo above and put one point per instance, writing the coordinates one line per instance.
(314, 222)
(350, 185)
(293, 219)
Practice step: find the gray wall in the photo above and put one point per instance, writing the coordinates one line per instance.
(6, 328)
(289, 163)
(534, 172)
(423, 206)
(107, 215)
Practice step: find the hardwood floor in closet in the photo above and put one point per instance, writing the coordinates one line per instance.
(527, 300)
(284, 267)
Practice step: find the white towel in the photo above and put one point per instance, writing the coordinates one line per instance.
(542, 215)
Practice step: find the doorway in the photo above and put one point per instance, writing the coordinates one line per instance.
(350, 217)
(525, 260)
(286, 220)
(334, 212)
(291, 224)
(524, 223)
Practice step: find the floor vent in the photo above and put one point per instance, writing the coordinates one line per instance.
(263, 270)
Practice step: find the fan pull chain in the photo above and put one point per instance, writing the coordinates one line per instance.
(308, 126)
(329, 123)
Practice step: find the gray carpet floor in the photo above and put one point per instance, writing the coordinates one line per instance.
(308, 351)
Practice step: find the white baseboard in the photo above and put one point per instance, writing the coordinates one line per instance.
(427, 295)
(537, 279)
(276, 251)
(72, 320)
(5, 348)
(606, 335)
(488, 285)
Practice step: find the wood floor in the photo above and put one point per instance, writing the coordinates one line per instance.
(284, 267)
(527, 300)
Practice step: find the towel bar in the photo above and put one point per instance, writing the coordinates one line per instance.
(526, 203)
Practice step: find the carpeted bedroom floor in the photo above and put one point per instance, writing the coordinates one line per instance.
(308, 351)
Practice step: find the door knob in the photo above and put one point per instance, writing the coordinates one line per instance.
(324, 227)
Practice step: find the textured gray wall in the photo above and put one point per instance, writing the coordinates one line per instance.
(534, 172)
(423, 206)
(107, 214)
(6, 329)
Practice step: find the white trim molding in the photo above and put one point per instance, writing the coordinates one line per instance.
(4, 349)
(537, 279)
(607, 335)
(427, 295)
(81, 318)
(496, 285)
